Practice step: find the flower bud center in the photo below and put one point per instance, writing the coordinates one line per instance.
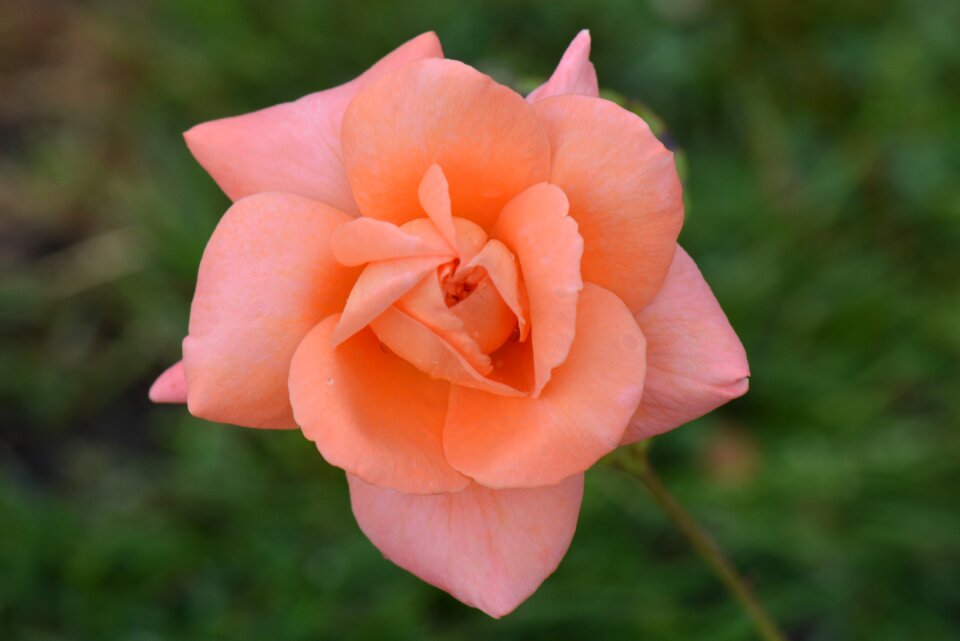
(457, 287)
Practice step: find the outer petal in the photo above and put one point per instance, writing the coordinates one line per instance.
(695, 362)
(372, 413)
(525, 442)
(267, 277)
(295, 146)
(490, 549)
(536, 226)
(171, 386)
(575, 73)
(623, 190)
(488, 141)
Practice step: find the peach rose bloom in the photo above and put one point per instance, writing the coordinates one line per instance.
(463, 297)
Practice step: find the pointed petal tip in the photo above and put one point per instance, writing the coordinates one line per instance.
(193, 136)
(426, 36)
(429, 35)
(740, 387)
(575, 74)
(170, 387)
(340, 334)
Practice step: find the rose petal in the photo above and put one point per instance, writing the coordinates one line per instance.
(486, 137)
(380, 285)
(425, 303)
(171, 386)
(524, 442)
(485, 317)
(434, 195)
(536, 227)
(266, 278)
(295, 146)
(365, 240)
(415, 343)
(624, 193)
(490, 549)
(371, 413)
(471, 239)
(695, 362)
(574, 75)
(503, 271)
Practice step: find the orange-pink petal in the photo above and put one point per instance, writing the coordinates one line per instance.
(623, 190)
(536, 227)
(490, 549)
(488, 140)
(295, 146)
(417, 344)
(171, 386)
(574, 75)
(365, 240)
(695, 362)
(471, 238)
(503, 271)
(425, 303)
(266, 278)
(434, 195)
(525, 442)
(380, 285)
(485, 317)
(372, 413)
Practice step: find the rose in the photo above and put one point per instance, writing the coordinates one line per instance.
(463, 298)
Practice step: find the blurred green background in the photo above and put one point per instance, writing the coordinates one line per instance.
(822, 143)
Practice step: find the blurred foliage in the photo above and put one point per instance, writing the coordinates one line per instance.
(822, 142)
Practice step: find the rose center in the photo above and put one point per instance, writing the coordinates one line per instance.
(458, 303)
(457, 287)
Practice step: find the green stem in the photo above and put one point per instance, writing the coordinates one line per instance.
(638, 465)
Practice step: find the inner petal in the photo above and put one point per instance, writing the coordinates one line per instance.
(535, 225)
(380, 285)
(471, 238)
(366, 240)
(449, 310)
(423, 348)
(446, 315)
(434, 194)
(501, 267)
(426, 303)
(406, 254)
(485, 316)
(461, 312)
